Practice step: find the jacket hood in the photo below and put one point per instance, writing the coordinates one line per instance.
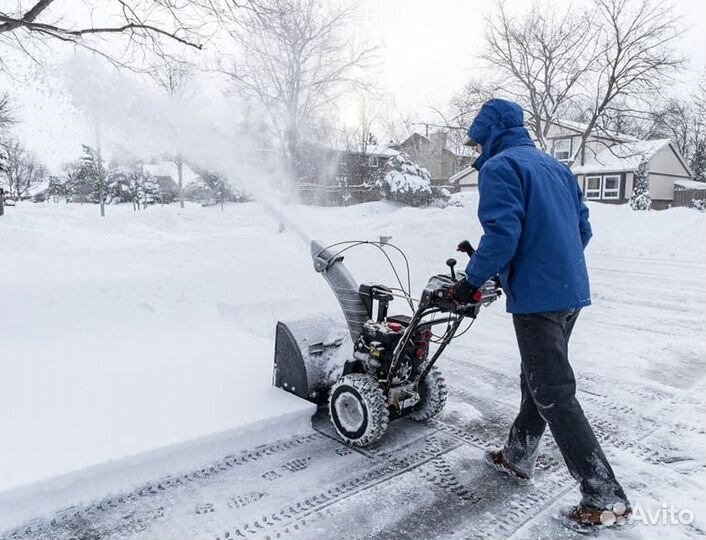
(498, 125)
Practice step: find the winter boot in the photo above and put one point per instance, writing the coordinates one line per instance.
(498, 462)
(584, 517)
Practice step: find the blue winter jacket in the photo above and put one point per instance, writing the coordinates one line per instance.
(534, 219)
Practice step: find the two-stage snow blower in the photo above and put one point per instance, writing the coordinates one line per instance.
(377, 367)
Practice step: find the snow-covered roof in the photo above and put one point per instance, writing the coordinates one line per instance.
(370, 149)
(169, 168)
(37, 188)
(380, 150)
(690, 184)
(462, 173)
(624, 157)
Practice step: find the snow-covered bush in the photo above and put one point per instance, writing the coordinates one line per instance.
(699, 204)
(440, 197)
(212, 188)
(128, 184)
(403, 181)
(458, 199)
(640, 198)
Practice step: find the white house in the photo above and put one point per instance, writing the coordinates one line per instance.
(606, 169)
(466, 179)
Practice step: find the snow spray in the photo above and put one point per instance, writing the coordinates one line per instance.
(148, 123)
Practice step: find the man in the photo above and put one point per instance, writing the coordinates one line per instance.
(535, 230)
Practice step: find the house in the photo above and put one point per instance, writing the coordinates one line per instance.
(340, 175)
(465, 180)
(606, 168)
(438, 155)
(358, 166)
(167, 175)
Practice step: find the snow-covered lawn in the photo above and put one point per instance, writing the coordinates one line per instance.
(129, 336)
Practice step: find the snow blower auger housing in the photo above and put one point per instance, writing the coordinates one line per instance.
(378, 367)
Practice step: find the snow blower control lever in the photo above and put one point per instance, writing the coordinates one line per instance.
(451, 263)
(389, 370)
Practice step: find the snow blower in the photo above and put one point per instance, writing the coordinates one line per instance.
(377, 367)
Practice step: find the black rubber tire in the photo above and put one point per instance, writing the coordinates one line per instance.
(432, 394)
(364, 394)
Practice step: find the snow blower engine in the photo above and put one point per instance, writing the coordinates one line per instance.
(377, 367)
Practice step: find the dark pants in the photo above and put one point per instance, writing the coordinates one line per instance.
(549, 397)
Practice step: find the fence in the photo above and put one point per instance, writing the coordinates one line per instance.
(323, 195)
(684, 195)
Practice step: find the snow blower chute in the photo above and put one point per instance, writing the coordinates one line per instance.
(376, 367)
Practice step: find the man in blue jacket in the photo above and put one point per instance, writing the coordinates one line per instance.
(536, 227)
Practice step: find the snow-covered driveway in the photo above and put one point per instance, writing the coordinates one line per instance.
(639, 354)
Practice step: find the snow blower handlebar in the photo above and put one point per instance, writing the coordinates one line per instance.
(466, 247)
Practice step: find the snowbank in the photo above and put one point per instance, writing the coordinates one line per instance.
(114, 343)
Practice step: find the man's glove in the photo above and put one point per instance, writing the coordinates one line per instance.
(465, 293)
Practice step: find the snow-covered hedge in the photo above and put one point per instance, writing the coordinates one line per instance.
(403, 181)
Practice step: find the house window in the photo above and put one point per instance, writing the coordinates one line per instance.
(373, 161)
(593, 187)
(562, 149)
(611, 187)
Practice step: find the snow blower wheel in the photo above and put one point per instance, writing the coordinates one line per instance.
(358, 409)
(432, 396)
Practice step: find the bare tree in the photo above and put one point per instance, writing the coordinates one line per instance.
(465, 105)
(173, 75)
(676, 121)
(684, 122)
(6, 116)
(295, 58)
(6, 119)
(598, 67)
(359, 137)
(146, 25)
(636, 43)
(22, 170)
(539, 60)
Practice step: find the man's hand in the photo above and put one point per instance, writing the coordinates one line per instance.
(465, 293)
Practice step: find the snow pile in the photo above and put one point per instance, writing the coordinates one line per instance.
(114, 344)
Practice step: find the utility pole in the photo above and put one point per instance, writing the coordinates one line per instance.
(180, 175)
(99, 166)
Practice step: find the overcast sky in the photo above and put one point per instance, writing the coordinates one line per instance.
(428, 51)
